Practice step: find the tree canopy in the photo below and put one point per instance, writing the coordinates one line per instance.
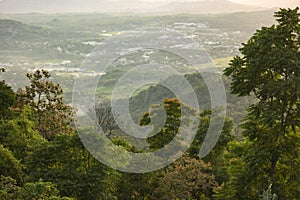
(269, 69)
(42, 156)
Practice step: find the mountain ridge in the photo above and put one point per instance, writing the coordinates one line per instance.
(210, 7)
(119, 6)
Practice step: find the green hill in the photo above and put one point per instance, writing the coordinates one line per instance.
(140, 103)
(15, 34)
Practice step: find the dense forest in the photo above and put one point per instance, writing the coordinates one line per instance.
(42, 156)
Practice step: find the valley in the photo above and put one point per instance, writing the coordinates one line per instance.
(61, 42)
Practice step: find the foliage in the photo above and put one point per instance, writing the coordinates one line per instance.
(137, 186)
(216, 156)
(236, 106)
(45, 97)
(19, 134)
(264, 163)
(66, 163)
(234, 187)
(40, 190)
(106, 118)
(172, 107)
(187, 178)
(8, 188)
(7, 99)
(269, 70)
(9, 165)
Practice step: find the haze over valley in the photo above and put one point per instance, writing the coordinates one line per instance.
(138, 6)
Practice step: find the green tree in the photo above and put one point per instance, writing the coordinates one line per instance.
(8, 188)
(187, 178)
(216, 156)
(19, 134)
(173, 110)
(138, 186)
(234, 187)
(53, 116)
(9, 165)
(41, 191)
(65, 162)
(270, 70)
(7, 99)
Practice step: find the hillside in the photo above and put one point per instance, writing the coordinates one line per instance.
(13, 32)
(155, 94)
(15, 28)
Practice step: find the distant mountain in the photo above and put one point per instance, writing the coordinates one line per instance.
(52, 6)
(16, 30)
(208, 7)
(12, 33)
(271, 3)
(135, 6)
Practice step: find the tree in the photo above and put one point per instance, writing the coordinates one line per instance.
(53, 116)
(138, 186)
(66, 163)
(8, 188)
(7, 99)
(19, 134)
(270, 70)
(172, 107)
(216, 156)
(9, 165)
(187, 178)
(40, 190)
(234, 187)
(106, 118)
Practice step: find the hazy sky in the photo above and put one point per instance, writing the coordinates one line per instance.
(263, 3)
(13, 5)
(270, 3)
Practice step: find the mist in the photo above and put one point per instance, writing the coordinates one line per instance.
(140, 6)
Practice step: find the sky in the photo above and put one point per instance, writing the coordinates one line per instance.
(11, 5)
(270, 3)
(263, 3)
(260, 3)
